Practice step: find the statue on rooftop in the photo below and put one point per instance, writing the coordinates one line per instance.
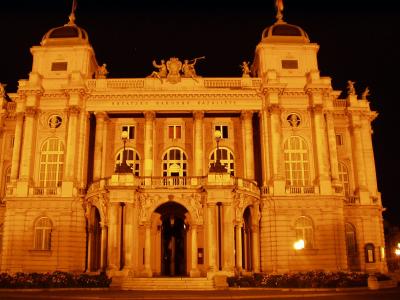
(350, 88)
(245, 69)
(162, 70)
(102, 72)
(174, 66)
(365, 94)
(188, 67)
(3, 90)
(279, 9)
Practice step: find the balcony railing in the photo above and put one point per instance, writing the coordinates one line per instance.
(300, 190)
(351, 200)
(45, 191)
(171, 182)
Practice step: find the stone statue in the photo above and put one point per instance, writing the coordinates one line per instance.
(3, 90)
(279, 9)
(162, 70)
(102, 72)
(188, 67)
(245, 69)
(174, 66)
(350, 88)
(365, 94)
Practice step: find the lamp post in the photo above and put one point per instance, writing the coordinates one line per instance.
(123, 167)
(397, 252)
(217, 167)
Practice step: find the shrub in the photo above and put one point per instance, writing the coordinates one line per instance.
(56, 279)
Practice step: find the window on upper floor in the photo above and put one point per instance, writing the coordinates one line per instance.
(223, 129)
(290, 64)
(339, 139)
(226, 158)
(42, 234)
(297, 164)
(59, 66)
(344, 178)
(7, 179)
(132, 160)
(351, 241)
(131, 131)
(305, 231)
(51, 163)
(174, 131)
(174, 163)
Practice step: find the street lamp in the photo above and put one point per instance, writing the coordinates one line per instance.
(298, 245)
(217, 167)
(123, 167)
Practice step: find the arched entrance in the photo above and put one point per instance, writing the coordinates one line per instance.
(173, 239)
(247, 240)
(94, 245)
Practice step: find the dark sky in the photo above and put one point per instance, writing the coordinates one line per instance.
(359, 40)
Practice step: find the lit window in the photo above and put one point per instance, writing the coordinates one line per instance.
(59, 66)
(305, 231)
(369, 253)
(42, 235)
(339, 139)
(226, 158)
(351, 242)
(297, 165)
(51, 163)
(174, 131)
(132, 160)
(223, 129)
(344, 178)
(131, 131)
(174, 163)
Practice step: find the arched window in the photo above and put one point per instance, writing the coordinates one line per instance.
(344, 178)
(351, 242)
(51, 163)
(305, 231)
(132, 159)
(297, 164)
(174, 163)
(369, 253)
(226, 158)
(42, 235)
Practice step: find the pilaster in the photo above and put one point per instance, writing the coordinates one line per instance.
(247, 132)
(198, 143)
(148, 143)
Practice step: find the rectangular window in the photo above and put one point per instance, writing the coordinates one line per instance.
(59, 66)
(290, 64)
(131, 131)
(223, 129)
(339, 139)
(174, 131)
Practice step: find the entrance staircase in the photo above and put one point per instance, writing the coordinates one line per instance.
(163, 283)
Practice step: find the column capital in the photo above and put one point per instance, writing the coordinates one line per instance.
(100, 115)
(73, 110)
(317, 108)
(31, 111)
(198, 115)
(211, 205)
(149, 115)
(246, 115)
(275, 109)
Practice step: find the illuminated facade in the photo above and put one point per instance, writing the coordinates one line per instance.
(297, 164)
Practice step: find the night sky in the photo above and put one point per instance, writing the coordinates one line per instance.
(359, 41)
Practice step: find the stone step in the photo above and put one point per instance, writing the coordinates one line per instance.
(173, 283)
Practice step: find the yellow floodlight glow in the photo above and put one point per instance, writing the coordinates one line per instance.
(397, 252)
(298, 245)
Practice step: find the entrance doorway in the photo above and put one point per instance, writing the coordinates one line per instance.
(173, 239)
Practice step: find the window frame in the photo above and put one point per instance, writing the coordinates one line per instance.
(297, 162)
(131, 131)
(344, 177)
(305, 231)
(174, 134)
(133, 163)
(42, 232)
(50, 170)
(228, 162)
(350, 234)
(224, 129)
(167, 162)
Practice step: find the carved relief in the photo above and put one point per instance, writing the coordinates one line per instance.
(145, 203)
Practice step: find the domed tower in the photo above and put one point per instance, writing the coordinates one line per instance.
(287, 50)
(65, 56)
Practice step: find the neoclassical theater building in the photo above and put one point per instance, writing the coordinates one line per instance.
(181, 175)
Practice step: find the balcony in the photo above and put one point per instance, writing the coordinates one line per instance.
(352, 200)
(45, 191)
(300, 190)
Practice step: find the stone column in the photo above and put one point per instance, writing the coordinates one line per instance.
(238, 229)
(104, 241)
(265, 164)
(128, 236)
(17, 146)
(148, 144)
(247, 130)
(113, 238)
(28, 143)
(332, 149)
(147, 251)
(228, 231)
(255, 247)
(98, 145)
(211, 236)
(135, 237)
(83, 146)
(194, 272)
(104, 148)
(368, 152)
(198, 143)
(320, 147)
(277, 150)
(71, 145)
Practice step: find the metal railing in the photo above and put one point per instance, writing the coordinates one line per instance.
(300, 190)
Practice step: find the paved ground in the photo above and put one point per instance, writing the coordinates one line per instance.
(389, 294)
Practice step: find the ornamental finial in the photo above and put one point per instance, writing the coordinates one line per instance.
(279, 10)
(72, 15)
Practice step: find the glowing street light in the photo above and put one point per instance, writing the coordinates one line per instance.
(397, 252)
(123, 167)
(298, 245)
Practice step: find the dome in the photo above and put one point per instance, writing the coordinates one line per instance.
(65, 35)
(284, 32)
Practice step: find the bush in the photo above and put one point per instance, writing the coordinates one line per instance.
(56, 279)
(301, 280)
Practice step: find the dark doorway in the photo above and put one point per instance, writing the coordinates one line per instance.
(95, 240)
(173, 239)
